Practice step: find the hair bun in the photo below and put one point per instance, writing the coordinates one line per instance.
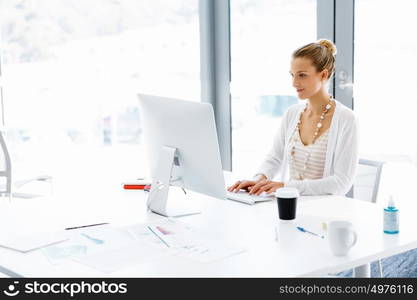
(329, 45)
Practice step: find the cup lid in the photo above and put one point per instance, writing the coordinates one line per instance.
(287, 192)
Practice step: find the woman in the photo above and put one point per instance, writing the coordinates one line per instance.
(316, 148)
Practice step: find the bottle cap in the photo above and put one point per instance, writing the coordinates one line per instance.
(391, 203)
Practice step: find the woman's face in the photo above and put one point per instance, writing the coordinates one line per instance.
(305, 78)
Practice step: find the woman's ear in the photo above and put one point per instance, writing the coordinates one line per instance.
(324, 75)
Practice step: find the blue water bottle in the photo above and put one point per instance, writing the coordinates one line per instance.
(391, 218)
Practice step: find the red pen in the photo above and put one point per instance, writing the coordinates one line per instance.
(134, 186)
(139, 184)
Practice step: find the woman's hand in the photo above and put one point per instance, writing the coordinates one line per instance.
(241, 185)
(267, 186)
(245, 184)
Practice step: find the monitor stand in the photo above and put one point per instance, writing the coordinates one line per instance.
(180, 203)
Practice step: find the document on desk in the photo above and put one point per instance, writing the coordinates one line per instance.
(87, 241)
(183, 241)
(209, 251)
(103, 248)
(138, 244)
(29, 242)
(165, 234)
(115, 259)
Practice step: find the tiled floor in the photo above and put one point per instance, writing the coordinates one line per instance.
(401, 265)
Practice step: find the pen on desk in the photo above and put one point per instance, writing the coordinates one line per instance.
(307, 231)
(157, 235)
(83, 226)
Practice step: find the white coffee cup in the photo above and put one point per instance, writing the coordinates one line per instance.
(341, 236)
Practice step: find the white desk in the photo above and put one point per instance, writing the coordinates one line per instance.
(295, 254)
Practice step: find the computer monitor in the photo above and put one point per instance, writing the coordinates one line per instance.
(180, 138)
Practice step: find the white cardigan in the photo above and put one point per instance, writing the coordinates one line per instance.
(341, 155)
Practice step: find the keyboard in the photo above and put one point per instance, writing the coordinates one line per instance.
(243, 196)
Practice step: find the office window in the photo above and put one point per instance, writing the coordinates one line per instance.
(71, 71)
(385, 79)
(263, 36)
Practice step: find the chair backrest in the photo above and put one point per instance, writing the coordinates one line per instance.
(5, 166)
(366, 183)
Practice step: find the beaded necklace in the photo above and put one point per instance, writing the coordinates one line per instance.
(316, 132)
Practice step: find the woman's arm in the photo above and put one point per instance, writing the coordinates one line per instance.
(345, 164)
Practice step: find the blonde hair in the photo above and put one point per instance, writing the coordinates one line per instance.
(322, 54)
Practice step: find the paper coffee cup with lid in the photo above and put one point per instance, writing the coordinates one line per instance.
(287, 202)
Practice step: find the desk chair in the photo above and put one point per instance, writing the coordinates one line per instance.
(8, 184)
(366, 183)
(365, 187)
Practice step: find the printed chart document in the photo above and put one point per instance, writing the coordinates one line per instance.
(209, 251)
(182, 240)
(87, 241)
(104, 248)
(110, 249)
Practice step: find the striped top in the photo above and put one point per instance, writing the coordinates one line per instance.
(341, 156)
(307, 162)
